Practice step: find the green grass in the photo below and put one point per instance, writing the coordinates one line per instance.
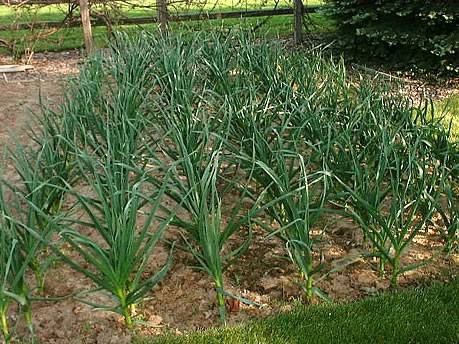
(67, 39)
(72, 38)
(417, 316)
(451, 108)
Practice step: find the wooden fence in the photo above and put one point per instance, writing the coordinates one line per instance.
(162, 18)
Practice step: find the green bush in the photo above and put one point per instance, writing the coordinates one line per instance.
(408, 32)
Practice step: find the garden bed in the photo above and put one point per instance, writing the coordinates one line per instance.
(185, 299)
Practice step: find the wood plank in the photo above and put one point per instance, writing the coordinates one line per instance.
(14, 68)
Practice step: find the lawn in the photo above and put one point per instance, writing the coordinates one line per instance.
(65, 39)
(416, 316)
(450, 109)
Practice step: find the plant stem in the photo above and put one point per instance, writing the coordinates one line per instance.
(27, 309)
(39, 277)
(309, 284)
(126, 310)
(127, 317)
(4, 323)
(220, 301)
(395, 272)
(382, 266)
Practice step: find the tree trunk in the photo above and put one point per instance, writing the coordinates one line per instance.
(163, 14)
(86, 22)
(298, 22)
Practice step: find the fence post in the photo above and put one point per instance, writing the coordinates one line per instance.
(163, 14)
(298, 21)
(86, 22)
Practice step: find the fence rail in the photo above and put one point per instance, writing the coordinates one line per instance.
(297, 11)
(150, 20)
(40, 2)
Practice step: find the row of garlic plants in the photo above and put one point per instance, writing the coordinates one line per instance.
(157, 133)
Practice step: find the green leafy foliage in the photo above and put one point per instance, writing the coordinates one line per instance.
(414, 32)
(16, 255)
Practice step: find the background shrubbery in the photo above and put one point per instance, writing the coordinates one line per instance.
(406, 32)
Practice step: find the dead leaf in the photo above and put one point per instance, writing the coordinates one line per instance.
(233, 305)
(155, 319)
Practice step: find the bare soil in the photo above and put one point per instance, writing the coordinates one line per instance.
(184, 300)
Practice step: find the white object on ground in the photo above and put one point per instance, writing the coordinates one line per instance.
(14, 68)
